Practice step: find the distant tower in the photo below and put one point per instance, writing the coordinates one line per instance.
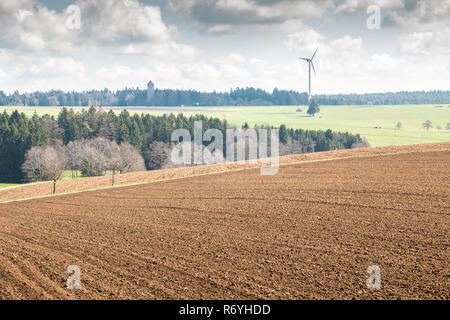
(150, 91)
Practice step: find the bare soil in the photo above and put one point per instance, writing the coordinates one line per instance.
(309, 232)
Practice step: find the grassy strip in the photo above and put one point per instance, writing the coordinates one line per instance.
(16, 186)
(6, 185)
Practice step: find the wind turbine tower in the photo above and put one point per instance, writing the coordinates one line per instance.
(310, 65)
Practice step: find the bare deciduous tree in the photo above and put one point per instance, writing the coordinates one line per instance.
(55, 163)
(131, 159)
(114, 160)
(290, 147)
(398, 126)
(95, 157)
(93, 162)
(74, 154)
(307, 145)
(33, 167)
(111, 153)
(44, 164)
(427, 125)
(361, 144)
(157, 155)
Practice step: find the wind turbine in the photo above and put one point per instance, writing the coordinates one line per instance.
(310, 64)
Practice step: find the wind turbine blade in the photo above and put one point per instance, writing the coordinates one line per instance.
(315, 53)
(312, 65)
(306, 59)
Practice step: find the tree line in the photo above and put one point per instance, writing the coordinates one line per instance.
(429, 125)
(91, 157)
(94, 141)
(235, 97)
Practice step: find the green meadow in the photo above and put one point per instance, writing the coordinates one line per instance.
(67, 174)
(375, 123)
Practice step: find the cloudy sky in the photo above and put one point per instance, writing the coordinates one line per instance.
(222, 44)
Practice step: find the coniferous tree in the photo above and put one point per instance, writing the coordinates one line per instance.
(18, 134)
(313, 108)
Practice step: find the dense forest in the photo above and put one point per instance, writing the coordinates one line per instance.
(149, 135)
(235, 97)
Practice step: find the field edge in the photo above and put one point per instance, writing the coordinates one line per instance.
(41, 190)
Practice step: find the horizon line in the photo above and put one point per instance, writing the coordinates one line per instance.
(223, 92)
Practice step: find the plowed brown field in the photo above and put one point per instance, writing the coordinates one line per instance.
(309, 232)
(44, 189)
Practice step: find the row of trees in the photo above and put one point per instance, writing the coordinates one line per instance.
(97, 156)
(239, 96)
(92, 157)
(165, 97)
(388, 98)
(96, 141)
(427, 125)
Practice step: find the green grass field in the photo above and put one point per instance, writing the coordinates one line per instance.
(354, 119)
(67, 174)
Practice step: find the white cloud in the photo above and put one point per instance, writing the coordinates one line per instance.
(221, 29)
(3, 75)
(352, 6)
(426, 42)
(344, 65)
(200, 72)
(106, 25)
(425, 13)
(127, 43)
(417, 43)
(48, 68)
(4, 57)
(13, 7)
(110, 21)
(347, 43)
(218, 15)
(303, 41)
